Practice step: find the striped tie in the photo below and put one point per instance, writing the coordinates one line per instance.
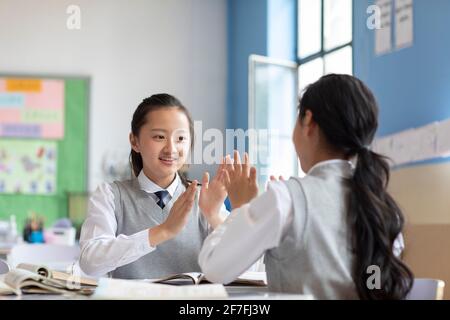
(161, 197)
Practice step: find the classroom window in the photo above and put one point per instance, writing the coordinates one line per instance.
(325, 43)
(272, 114)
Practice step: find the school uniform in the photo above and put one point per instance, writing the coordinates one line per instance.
(115, 238)
(300, 226)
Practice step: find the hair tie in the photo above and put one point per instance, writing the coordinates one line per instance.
(364, 148)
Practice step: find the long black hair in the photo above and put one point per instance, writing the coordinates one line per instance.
(155, 102)
(347, 114)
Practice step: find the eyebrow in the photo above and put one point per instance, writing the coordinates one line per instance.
(164, 130)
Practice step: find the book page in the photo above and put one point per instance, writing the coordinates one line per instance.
(15, 277)
(256, 278)
(32, 286)
(41, 270)
(135, 289)
(181, 278)
(63, 276)
(4, 288)
(57, 275)
(21, 280)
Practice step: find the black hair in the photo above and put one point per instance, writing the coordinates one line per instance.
(346, 112)
(155, 102)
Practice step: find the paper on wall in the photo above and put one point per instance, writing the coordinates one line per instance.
(423, 142)
(383, 34)
(403, 23)
(443, 139)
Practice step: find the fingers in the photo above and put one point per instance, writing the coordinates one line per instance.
(205, 180)
(246, 165)
(187, 195)
(229, 166)
(252, 177)
(273, 178)
(226, 179)
(237, 163)
(191, 193)
(220, 177)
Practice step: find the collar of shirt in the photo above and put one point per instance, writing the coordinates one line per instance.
(149, 186)
(336, 166)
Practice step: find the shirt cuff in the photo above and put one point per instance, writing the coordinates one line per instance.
(143, 245)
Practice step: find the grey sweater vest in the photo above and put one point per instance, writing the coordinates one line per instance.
(135, 211)
(314, 256)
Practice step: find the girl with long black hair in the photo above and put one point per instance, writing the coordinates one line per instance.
(332, 233)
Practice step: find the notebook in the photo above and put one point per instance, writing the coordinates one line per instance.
(249, 278)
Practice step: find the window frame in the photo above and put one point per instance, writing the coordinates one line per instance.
(322, 53)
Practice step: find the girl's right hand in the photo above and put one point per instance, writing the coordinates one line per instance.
(177, 218)
(178, 215)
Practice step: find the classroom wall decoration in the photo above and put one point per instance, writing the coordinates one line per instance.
(43, 151)
(431, 141)
(28, 166)
(32, 108)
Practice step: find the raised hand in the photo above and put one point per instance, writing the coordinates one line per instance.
(240, 180)
(212, 196)
(177, 218)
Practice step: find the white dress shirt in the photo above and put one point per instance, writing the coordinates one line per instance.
(251, 230)
(98, 241)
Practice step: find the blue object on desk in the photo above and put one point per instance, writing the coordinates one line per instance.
(37, 237)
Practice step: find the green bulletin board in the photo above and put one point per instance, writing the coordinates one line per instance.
(71, 161)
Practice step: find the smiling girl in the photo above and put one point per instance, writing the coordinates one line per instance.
(153, 224)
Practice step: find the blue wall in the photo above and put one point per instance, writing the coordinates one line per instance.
(412, 85)
(282, 29)
(263, 27)
(247, 25)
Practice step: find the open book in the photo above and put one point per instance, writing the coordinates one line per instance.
(29, 278)
(248, 278)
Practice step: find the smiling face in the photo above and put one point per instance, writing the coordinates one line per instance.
(163, 142)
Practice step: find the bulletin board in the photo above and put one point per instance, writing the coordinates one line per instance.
(58, 138)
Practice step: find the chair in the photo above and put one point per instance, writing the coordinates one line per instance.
(54, 256)
(4, 267)
(427, 289)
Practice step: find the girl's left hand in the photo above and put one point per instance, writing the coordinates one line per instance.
(212, 196)
(240, 180)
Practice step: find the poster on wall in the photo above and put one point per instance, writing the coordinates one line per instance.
(404, 30)
(383, 33)
(28, 166)
(31, 108)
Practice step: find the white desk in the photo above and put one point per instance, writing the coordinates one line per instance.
(234, 293)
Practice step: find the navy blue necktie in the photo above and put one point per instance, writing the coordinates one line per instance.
(161, 196)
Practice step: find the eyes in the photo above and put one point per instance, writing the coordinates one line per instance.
(179, 138)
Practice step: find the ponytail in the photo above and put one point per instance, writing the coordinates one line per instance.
(376, 221)
(136, 163)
